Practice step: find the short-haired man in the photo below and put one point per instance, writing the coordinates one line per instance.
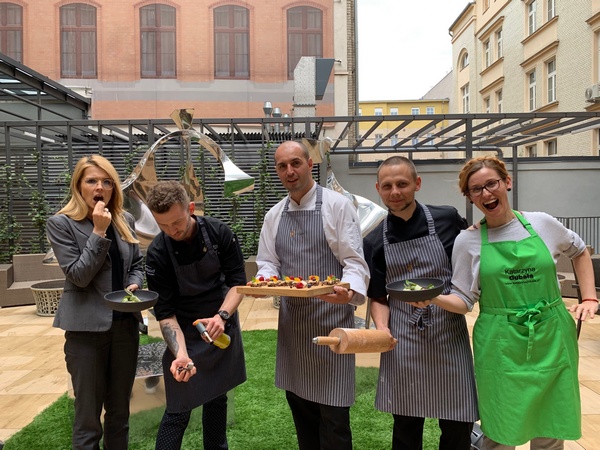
(430, 372)
(313, 231)
(194, 264)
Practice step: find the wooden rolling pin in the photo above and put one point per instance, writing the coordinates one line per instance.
(353, 340)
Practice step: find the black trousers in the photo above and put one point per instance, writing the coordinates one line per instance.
(102, 368)
(214, 427)
(408, 434)
(318, 426)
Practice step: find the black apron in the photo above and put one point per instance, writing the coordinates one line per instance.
(218, 371)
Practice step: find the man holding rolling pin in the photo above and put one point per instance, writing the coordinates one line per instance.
(314, 231)
(430, 372)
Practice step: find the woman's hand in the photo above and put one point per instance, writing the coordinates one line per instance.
(584, 310)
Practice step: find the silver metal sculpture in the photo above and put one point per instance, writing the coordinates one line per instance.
(143, 177)
(369, 214)
(136, 186)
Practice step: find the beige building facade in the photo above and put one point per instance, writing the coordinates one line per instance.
(532, 56)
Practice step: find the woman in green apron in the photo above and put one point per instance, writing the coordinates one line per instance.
(524, 340)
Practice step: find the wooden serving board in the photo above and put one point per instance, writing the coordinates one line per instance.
(288, 291)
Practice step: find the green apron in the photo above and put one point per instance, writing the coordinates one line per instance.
(524, 345)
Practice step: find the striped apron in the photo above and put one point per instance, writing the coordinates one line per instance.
(430, 372)
(313, 372)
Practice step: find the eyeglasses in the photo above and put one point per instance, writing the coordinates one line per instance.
(107, 183)
(490, 186)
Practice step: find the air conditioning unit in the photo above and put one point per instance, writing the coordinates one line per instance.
(592, 94)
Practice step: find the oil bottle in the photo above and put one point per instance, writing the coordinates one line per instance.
(222, 341)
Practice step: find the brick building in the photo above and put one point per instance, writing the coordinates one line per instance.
(144, 59)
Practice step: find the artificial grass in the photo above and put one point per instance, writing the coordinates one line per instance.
(261, 419)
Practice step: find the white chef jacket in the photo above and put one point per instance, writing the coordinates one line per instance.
(342, 231)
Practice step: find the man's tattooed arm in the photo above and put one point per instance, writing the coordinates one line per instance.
(169, 331)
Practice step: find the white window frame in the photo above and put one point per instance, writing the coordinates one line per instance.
(531, 77)
(531, 17)
(378, 111)
(360, 111)
(552, 148)
(464, 91)
(464, 60)
(394, 111)
(551, 5)
(430, 110)
(487, 57)
(499, 100)
(499, 49)
(531, 151)
(415, 111)
(394, 139)
(551, 68)
(487, 104)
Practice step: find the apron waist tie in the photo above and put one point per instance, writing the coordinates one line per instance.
(531, 314)
(421, 318)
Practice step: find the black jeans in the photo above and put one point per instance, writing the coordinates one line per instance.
(320, 427)
(214, 427)
(408, 434)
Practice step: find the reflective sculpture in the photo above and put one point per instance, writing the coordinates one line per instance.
(136, 186)
(369, 213)
(143, 177)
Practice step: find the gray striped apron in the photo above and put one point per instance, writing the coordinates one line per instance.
(313, 372)
(430, 372)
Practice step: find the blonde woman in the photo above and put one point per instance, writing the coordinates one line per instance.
(94, 242)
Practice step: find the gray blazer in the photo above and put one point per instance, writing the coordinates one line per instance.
(83, 257)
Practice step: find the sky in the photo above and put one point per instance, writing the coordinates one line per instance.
(404, 48)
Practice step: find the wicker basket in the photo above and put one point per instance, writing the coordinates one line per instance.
(47, 295)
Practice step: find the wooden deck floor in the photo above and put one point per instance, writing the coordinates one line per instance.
(33, 373)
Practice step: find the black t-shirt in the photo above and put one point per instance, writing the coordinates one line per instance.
(448, 224)
(160, 272)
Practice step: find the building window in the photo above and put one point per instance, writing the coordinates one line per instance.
(415, 141)
(499, 100)
(379, 111)
(232, 54)
(551, 148)
(430, 140)
(415, 111)
(487, 57)
(465, 97)
(532, 90)
(464, 60)
(78, 41)
(394, 111)
(487, 104)
(531, 12)
(305, 35)
(157, 26)
(430, 110)
(360, 111)
(394, 139)
(551, 9)
(551, 67)
(378, 137)
(531, 151)
(11, 30)
(499, 49)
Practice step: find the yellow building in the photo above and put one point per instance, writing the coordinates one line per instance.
(419, 121)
